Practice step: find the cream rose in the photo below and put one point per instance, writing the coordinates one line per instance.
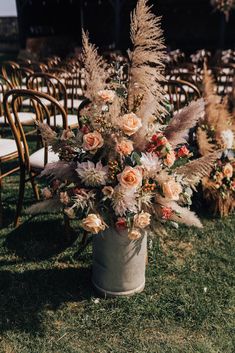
(130, 177)
(108, 191)
(171, 190)
(228, 170)
(92, 141)
(130, 123)
(93, 224)
(142, 220)
(169, 160)
(134, 234)
(107, 96)
(124, 147)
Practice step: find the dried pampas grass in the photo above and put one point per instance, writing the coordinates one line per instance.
(95, 69)
(146, 65)
(204, 144)
(178, 128)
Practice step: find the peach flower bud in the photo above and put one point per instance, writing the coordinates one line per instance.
(124, 147)
(130, 177)
(67, 134)
(171, 190)
(134, 234)
(69, 212)
(64, 198)
(183, 152)
(108, 191)
(107, 96)
(142, 220)
(169, 160)
(93, 224)
(46, 193)
(228, 170)
(92, 141)
(130, 123)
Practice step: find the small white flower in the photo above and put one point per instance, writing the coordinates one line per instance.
(150, 163)
(91, 174)
(205, 289)
(228, 138)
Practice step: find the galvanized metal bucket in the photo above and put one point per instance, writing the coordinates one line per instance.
(118, 263)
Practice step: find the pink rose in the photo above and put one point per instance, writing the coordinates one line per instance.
(92, 141)
(171, 190)
(124, 147)
(130, 177)
(130, 123)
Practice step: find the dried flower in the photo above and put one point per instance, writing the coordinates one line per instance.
(64, 198)
(124, 200)
(227, 138)
(169, 160)
(166, 213)
(150, 163)
(108, 191)
(67, 134)
(46, 193)
(91, 174)
(70, 212)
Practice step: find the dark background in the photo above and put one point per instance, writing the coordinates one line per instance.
(187, 24)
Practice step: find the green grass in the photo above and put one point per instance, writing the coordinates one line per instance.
(47, 304)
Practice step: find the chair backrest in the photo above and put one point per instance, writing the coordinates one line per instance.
(8, 68)
(180, 93)
(49, 84)
(11, 104)
(5, 86)
(224, 79)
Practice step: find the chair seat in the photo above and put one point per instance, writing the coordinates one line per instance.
(75, 103)
(37, 159)
(27, 102)
(58, 120)
(7, 147)
(26, 118)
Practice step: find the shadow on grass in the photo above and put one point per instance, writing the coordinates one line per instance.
(24, 296)
(39, 239)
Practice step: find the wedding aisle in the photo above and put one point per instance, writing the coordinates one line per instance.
(47, 303)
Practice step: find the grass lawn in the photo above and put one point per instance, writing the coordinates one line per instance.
(47, 304)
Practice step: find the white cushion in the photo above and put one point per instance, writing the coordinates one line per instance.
(37, 159)
(28, 102)
(76, 103)
(26, 118)
(7, 146)
(58, 121)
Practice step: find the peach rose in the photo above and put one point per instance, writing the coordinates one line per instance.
(93, 224)
(130, 177)
(171, 190)
(92, 141)
(124, 147)
(134, 234)
(107, 96)
(228, 170)
(169, 160)
(130, 123)
(108, 191)
(142, 220)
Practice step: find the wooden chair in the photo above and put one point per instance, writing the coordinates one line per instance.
(30, 165)
(53, 86)
(180, 93)
(8, 68)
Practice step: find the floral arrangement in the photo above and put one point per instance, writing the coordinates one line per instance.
(216, 132)
(122, 168)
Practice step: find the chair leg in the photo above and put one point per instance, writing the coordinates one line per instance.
(20, 197)
(34, 187)
(1, 208)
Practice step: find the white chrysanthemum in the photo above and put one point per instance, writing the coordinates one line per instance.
(150, 163)
(91, 174)
(228, 138)
(124, 200)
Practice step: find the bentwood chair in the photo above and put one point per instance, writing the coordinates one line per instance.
(8, 68)
(30, 165)
(53, 86)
